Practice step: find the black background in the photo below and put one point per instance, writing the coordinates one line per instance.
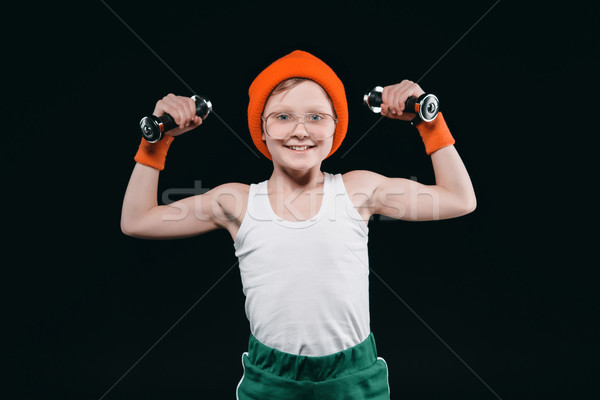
(509, 288)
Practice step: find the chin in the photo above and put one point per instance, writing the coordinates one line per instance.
(300, 165)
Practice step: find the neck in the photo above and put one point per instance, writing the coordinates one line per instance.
(288, 180)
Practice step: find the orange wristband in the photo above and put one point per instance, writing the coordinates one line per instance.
(154, 154)
(435, 134)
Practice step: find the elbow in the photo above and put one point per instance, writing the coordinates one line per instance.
(469, 205)
(463, 206)
(128, 228)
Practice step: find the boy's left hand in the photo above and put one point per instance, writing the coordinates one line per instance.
(394, 99)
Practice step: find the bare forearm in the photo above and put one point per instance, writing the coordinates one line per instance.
(451, 175)
(141, 193)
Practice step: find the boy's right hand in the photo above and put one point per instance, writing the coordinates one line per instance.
(183, 111)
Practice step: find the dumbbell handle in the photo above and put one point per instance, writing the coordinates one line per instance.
(153, 127)
(426, 106)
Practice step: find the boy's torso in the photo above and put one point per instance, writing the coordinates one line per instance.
(304, 205)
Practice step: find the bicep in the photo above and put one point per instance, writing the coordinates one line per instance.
(187, 217)
(410, 200)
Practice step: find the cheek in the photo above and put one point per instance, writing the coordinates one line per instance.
(326, 148)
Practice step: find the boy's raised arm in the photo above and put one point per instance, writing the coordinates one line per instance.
(141, 215)
(452, 195)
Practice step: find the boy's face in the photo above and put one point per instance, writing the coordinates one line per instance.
(308, 96)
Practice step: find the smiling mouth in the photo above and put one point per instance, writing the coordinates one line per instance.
(299, 148)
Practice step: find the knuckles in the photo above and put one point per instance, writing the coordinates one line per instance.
(181, 108)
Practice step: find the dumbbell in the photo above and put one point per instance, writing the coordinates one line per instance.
(153, 127)
(426, 106)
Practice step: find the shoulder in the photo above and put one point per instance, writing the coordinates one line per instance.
(233, 187)
(361, 186)
(362, 179)
(230, 194)
(229, 202)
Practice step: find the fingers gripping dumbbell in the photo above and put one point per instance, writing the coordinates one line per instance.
(153, 127)
(425, 106)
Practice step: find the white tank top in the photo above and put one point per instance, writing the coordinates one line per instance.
(306, 283)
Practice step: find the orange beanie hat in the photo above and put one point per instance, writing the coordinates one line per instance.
(298, 64)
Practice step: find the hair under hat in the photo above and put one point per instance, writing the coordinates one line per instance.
(298, 64)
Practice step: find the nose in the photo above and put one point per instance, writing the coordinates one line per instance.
(297, 129)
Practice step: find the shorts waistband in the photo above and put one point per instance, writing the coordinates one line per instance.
(310, 368)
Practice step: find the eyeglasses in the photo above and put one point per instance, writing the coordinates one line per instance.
(280, 124)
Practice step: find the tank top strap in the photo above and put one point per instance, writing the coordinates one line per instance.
(257, 202)
(343, 203)
(255, 212)
(337, 184)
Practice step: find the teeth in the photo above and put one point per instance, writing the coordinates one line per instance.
(299, 148)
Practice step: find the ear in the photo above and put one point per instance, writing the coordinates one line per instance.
(262, 131)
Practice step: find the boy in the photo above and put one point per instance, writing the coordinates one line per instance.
(301, 236)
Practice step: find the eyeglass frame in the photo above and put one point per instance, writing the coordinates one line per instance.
(296, 115)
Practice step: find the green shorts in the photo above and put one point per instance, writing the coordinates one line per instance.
(355, 373)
